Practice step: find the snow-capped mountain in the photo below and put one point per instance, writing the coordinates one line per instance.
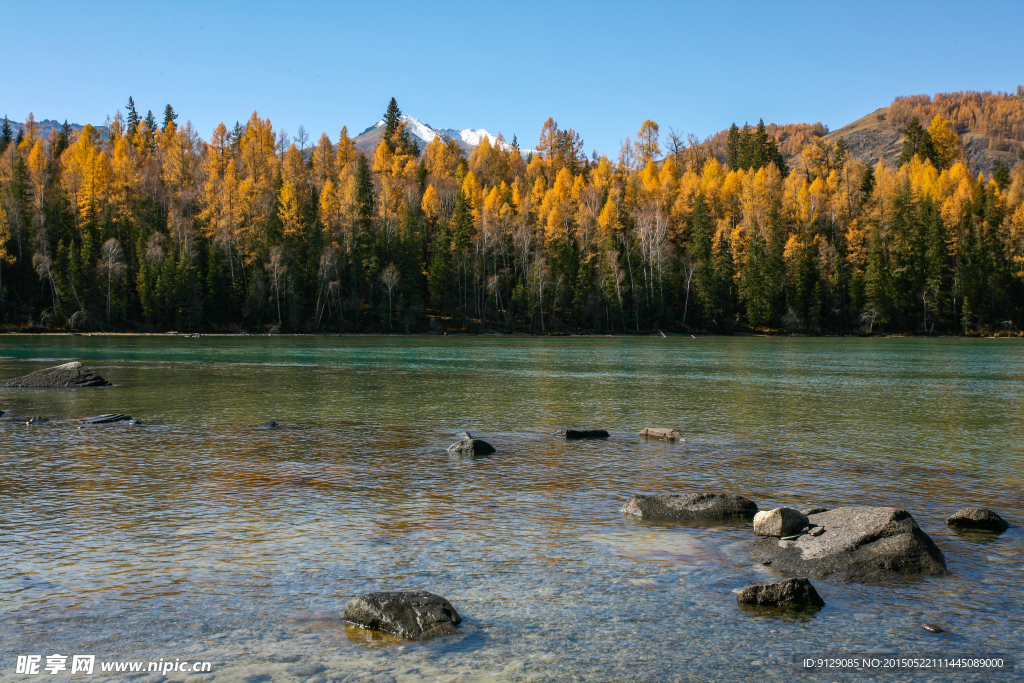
(467, 139)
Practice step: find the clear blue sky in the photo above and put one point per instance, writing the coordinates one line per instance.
(599, 67)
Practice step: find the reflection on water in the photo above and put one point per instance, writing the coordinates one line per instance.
(199, 535)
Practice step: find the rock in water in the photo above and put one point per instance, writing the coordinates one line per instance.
(108, 418)
(860, 543)
(788, 593)
(406, 614)
(269, 424)
(62, 376)
(37, 421)
(981, 519)
(470, 446)
(573, 434)
(693, 507)
(661, 434)
(779, 522)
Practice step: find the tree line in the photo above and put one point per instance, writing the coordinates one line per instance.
(152, 228)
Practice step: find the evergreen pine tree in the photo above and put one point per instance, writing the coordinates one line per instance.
(170, 116)
(151, 127)
(916, 140)
(1001, 175)
(392, 121)
(132, 118)
(6, 135)
(732, 147)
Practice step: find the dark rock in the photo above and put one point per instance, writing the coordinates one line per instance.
(814, 511)
(471, 446)
(69, 375)
(406, 614)
(108, 418)
(932, 628)
(573, 434)
(981, 519)
(37, 421)
(789, 593)
(661, 434)
(859, 543)
(269, 424)
(693, 507)
(779, 522)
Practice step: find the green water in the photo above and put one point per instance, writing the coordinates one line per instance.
(199, 535)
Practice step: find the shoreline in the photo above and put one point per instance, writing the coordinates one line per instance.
(523, 335)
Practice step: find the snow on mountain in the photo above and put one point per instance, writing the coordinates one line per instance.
(467, 138)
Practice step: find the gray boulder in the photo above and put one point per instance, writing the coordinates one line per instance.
(269, 424)
(661, 434)
(779, 522)
(858, 543)
(573, 434)
(693, 507)
(69, 375)
(793, 593)
(37, 421)
(470, 446)
(406, 614)
(979, 519)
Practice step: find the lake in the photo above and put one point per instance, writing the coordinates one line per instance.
(199, 536)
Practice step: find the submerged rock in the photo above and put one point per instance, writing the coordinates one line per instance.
(693, 507)
(406, 614)
(572, 434)
(37, 421)
(859, 543)
(69, 375)
(661, 434)
(789, 593)
(269, 424)
(980, 519)
(467, 445)
(108, 418)
(779, 522)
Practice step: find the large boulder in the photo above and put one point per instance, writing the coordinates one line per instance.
(856, 543)
(69, 375)
(693, 507)
(573, 434)
(661, 434)
(406, 614)
(978, 519)
(467, 445)
(779, 522)
(794, 593)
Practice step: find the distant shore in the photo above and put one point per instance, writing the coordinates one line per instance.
(525, 335)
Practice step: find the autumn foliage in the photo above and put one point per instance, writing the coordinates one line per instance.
(153, 228)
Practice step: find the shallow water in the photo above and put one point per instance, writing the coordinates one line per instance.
(200, 537)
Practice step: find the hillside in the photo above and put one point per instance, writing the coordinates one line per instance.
(990, 125)
(47, 126)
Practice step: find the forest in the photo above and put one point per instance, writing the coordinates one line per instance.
(147, 227)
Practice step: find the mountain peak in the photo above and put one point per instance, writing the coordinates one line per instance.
(467, 138)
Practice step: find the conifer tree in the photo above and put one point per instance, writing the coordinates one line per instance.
(170, 116)
(6, 135)
(392, 121)
(132, 118)
(917, 141)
